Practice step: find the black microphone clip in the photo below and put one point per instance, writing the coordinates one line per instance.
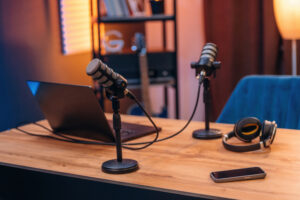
(204, 68)
(119, 91)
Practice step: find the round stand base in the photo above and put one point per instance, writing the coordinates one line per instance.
(207, 134)
(116, 167)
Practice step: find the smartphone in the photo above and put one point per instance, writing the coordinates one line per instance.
(238, 174)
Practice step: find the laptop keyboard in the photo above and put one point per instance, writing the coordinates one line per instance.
(131, 131)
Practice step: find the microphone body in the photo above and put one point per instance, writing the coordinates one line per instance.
(114, 84)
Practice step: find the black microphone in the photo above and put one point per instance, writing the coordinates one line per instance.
(114, 83)
(205, 67)
(207, 63)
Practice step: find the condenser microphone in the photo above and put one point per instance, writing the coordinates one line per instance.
(114, 83)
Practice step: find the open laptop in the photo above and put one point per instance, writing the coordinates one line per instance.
(75, 110)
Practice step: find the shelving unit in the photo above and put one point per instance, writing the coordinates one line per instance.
(135, 19)
(162, 64)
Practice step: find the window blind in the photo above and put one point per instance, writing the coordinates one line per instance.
(75, 21)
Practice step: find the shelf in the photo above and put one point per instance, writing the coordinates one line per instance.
(160, 65)
(129, 52)
(166, 81)
(135, 19)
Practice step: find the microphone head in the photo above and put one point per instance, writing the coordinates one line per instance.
(93, 66)
(101, 72)
(207, 62)
(208, 54)
(105, 76)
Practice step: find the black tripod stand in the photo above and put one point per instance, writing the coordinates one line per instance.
(119, 165)
(207, 133)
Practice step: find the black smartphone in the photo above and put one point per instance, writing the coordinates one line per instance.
(238, 174)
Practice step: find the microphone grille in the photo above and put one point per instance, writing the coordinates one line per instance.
(93, 67)
(100, 72)
(210, 51)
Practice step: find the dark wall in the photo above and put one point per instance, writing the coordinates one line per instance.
(30, 49)
(248, 41)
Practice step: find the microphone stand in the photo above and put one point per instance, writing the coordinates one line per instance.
(205, 72)
(119, 165)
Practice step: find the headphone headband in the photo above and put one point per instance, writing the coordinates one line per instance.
(246, 148)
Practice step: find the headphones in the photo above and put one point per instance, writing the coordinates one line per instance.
(248, 129)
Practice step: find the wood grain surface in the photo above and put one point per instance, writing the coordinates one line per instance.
(182, 163)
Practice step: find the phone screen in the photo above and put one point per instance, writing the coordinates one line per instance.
(237, 172)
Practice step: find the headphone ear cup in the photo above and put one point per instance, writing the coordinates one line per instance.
(247, 129)
(266, 130)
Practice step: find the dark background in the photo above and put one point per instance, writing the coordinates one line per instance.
(30, 49)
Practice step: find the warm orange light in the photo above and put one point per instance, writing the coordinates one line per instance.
(102, 35)
(76, 26)
(287, 14)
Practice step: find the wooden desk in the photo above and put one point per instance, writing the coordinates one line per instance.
(182, 164)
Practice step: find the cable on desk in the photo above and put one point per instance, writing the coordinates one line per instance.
(45, 136)
(183, 128)
(73, 140)
(64, 138)
(125, 145)
(147, 144)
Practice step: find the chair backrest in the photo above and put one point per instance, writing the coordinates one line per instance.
(267, 98)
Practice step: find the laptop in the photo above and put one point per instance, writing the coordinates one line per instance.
(74, 110)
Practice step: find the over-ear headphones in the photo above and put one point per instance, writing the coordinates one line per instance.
(248, 129)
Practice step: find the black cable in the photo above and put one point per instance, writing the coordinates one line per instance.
(147, 144)
(73, 139)
(106, 143)
(171, 136)
(184, 127)
(45, 136)
(66, 138)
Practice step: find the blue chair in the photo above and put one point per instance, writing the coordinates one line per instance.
(267, 98)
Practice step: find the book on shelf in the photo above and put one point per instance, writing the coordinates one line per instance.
(137, 7)
(124, 7)
(103, 9)
(109, 8)
(119, 8)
